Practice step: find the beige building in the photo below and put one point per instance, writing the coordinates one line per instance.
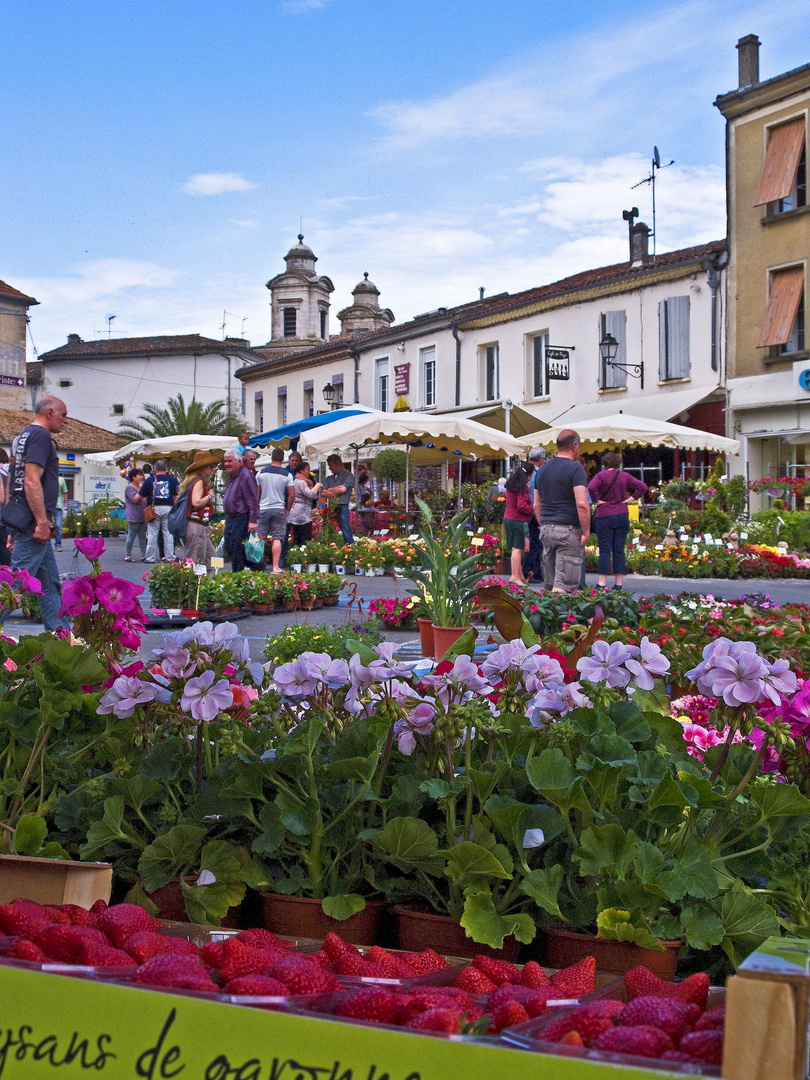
(769, 246)
(14, 307)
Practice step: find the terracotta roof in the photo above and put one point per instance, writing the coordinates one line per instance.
(9, 290)
(169, 343)
(75, 436)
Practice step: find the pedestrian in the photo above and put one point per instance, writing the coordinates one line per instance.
(276, 496)
(307, 493)
(241, 506)
(58, 517)
(5, 554)
(160, 491)
(249, 457)
(533, 560)
(134, 507)
(612, 491)
(241, 443)
(197, 544)
(339, 491)
(518, 509)
(34, 482)
(563, 514)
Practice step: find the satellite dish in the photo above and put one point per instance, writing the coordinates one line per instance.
(656, 158)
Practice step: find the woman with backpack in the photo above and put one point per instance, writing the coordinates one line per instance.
(517, 513)
(197, 544)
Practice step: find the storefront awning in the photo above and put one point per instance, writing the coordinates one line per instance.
(660, 406)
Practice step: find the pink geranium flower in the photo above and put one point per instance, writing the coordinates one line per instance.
(115, 594)
(77, 597)
(92, 547)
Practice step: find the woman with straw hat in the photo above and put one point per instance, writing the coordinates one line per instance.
(197, 545)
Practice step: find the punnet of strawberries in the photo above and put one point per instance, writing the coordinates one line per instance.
(666, 1021)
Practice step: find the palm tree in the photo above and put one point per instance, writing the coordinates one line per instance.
(179, 419)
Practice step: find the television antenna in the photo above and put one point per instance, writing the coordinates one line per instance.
(225, 315)
(656, 166)
(109, 325)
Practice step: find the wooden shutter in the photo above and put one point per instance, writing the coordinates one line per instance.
(615, 323)
(783, 305)
(781, 162)
(673, 338)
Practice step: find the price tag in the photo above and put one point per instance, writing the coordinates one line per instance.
(480, 528)
(217, 562)
(477, 541)
(642, 547)
(200, 569)
(743, 536)
(414, 536)
(718, 543)
(708, 538)
(634, 540)
(659, 547)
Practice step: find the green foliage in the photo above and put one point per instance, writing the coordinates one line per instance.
(549, 612)
(391, 464)
(447, 576)
(177, 418)
(291, 642)
(771, 526)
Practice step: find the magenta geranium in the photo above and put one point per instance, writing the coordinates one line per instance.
(92, 547)
(78, 597)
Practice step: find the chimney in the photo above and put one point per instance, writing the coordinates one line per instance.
(639, 245)
(74, 339)
(748, 48)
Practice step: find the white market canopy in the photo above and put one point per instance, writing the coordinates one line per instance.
(621, 429)
(170, 446)
(441, 434)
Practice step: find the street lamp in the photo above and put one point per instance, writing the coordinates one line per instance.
(608, 349)
(329, 392)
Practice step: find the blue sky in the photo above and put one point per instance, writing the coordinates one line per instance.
(160, 156)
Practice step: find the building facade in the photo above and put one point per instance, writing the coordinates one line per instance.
(14, 307)
(769, 246)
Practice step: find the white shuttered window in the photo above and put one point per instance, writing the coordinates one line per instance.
(673, 338)
(615, 323)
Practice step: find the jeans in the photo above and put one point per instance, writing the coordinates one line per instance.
(611, 532)
(136, 530)
(159, 525)
(39, 560)
(344, 522)
(57, 520)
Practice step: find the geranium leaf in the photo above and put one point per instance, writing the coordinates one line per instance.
(615, 925)
(606, 847)
(467, 860)
(170, 855)
(299, 817)
(543, 887)
(550, 771)
(31, 830)
(408, 840)
(780, 800)
(747, 921)
(484, 925)
(701, 927)
(343, 906)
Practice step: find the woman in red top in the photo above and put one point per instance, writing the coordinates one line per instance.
(516, 515)
(197, 545)
(611, 491)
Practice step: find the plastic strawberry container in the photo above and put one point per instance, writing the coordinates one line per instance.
(79, 971)
(442, 977)
(204, 935)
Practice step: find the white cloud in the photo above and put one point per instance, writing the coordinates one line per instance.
(297, 6)
(216, 184)
(244, 223)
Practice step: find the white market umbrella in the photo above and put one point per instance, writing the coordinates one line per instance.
(170, 446)
(621, 429)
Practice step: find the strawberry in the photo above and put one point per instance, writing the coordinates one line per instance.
(500, 971)
(336, 947)
(506, 1015)
(423, 963)
(373, 1003)
(533, 976)
(358, 967)
(258, 938)
(536, 1004)
(78, 916)
(573, 1038)
(119, 922)
(665, 1013)
(474, 981)
(641, 1041)
(240, 959)
(96, 955)
(446, 1021)
(64, 943)
(712, 1018)
(589, 1020)
(22, 918)
(25, 949)
(395, 967)
(641, 982)
(177, 972)
(705, 1045)
(99, 907)
(693, 989)
(322, 957)
(211, 953)
(144, 944)
(256, 986)
(56, 914)
(577, 980)
(303, 975)
(443, 994)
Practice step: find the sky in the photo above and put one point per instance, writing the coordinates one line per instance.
(160, 158)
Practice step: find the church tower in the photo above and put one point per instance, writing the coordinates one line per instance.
(299, 302)
(365, 314)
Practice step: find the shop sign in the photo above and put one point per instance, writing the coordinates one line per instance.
(402, 378)
(558, 364)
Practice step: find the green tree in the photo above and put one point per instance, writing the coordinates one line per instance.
(181, 419)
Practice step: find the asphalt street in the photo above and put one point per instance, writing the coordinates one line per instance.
(257, 628)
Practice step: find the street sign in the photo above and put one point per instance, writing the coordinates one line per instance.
(557, 364)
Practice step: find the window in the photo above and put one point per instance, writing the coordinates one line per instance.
(258, 410)
(117, 410)
(289, 322)
(492, 373)
(323, 325)
(537, 362)
(783, 326)
(427, 367)
(673, 338)
(337, 382)
(381, 400)
(65, 382)
(282, 409)
(309, 402)
(780, 185)
(614, 323)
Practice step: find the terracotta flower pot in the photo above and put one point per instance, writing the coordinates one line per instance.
(425, 635)
(444, 637)
(565, 947)
(171, 903)
(420, 929)
(301, 916)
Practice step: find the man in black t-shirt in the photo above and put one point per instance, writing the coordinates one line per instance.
(563, 514)
(34, 475)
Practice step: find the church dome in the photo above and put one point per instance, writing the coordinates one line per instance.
(300, 255)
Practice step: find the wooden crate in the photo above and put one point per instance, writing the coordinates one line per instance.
(54, 881)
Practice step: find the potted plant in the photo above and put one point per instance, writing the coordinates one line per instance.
(296, 557)
(446, 575)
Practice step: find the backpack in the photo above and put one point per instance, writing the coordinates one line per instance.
(177, 521)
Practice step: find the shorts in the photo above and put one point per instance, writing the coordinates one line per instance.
(515, 533)
(273, 524)
(562, 556)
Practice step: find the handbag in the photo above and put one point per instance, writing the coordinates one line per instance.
(149, 513)
(16, 514)
(177, 521)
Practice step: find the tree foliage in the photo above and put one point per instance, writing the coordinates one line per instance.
(177, 418)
